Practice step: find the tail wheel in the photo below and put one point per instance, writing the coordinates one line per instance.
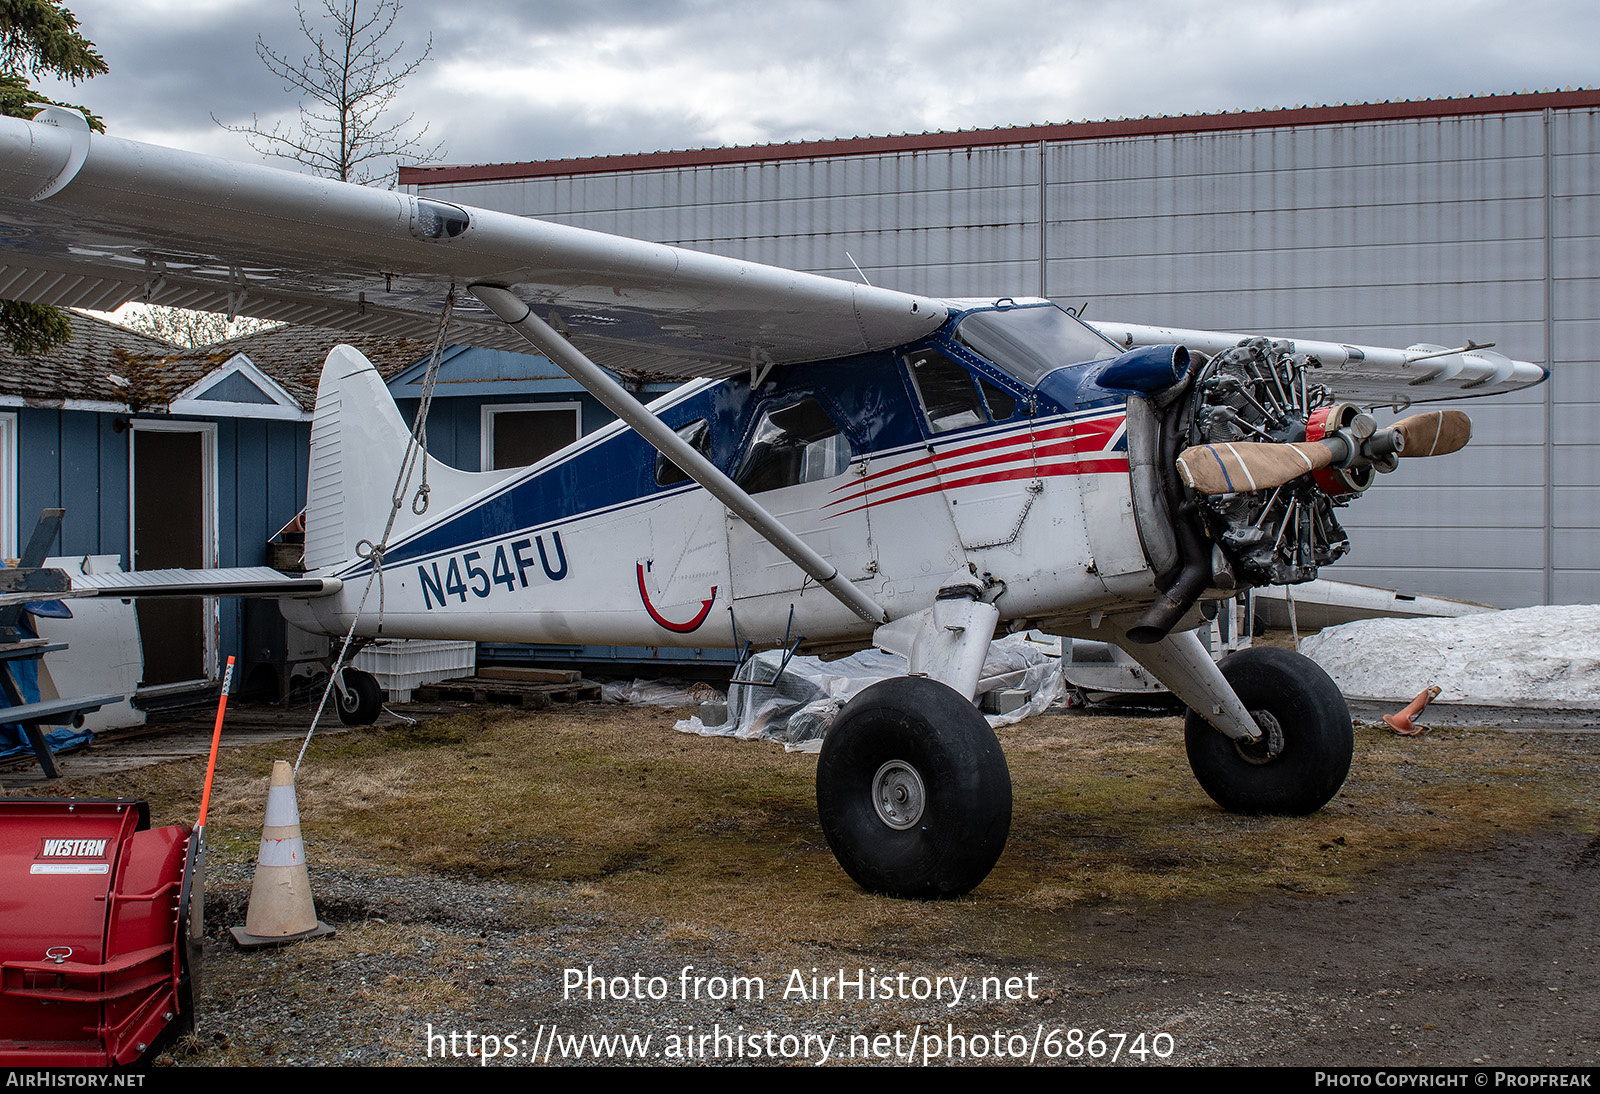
(913, 791)
(362, 699)
(1303, 755)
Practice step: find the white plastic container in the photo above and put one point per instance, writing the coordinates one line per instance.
(403, 666)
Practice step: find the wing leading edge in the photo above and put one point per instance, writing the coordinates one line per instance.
(125, 221)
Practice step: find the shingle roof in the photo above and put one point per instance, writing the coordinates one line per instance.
(79, 368)
(292, 356)
(100, 355)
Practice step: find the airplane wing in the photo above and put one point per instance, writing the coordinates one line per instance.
(92, 221)
(1365, 374)
(89, 220)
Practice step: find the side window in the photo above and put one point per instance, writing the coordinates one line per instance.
(793, 444)
(698, 435)
(949, 397)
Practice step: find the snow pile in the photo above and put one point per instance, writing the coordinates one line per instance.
(1534, 657)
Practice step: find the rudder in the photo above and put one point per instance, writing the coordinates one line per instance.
(358, 441)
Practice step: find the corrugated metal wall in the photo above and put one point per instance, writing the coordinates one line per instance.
(1385, 232)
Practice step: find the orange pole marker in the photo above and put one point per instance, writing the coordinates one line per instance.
(216, 739)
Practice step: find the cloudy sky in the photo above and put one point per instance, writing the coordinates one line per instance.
(510, 80)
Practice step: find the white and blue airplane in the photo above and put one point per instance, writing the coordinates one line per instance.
(847, 466)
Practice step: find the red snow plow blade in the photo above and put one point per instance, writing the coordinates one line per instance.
(97, 957)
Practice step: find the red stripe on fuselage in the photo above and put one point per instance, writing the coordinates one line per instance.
(1106, 426)
(1040, 471)
(1095, 436)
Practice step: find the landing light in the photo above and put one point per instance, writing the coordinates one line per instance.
(436, 220)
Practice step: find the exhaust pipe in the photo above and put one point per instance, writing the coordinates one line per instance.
(1176, 599)
(1178, 595)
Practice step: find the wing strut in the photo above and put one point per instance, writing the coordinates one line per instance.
(520, 318)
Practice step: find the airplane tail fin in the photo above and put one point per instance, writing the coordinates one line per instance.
(358, 441)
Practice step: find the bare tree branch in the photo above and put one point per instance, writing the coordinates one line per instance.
(189, 329)
(346, 83)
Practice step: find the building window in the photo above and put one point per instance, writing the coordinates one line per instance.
(520, 434)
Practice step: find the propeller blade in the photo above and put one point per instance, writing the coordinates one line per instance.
(1244, 466)
(1436, 433)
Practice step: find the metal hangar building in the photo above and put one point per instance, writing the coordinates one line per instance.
(1380, 223)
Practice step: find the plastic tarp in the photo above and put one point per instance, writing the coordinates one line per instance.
(656, 693)
(25, 676)
(798, 706)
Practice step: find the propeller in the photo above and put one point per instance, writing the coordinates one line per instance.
(1243, 466)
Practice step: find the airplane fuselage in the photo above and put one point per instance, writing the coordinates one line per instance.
(900, 467)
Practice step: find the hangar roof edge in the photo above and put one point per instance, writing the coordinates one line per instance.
(1008, 135)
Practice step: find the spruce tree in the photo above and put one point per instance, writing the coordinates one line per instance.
(38, 37)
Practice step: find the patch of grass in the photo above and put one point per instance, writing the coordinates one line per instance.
(690, 838)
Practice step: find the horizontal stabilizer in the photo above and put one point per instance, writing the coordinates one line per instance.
(243, 581)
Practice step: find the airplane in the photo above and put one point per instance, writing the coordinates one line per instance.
(846, 466)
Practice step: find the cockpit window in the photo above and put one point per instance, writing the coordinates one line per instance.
(1001, 404)
(950, 398)
(698, 435)
(793, 444)
(1028, 342)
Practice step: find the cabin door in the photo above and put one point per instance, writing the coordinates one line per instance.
(173, 522)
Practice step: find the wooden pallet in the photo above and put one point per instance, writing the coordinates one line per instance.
(518, 693)
(525, 675)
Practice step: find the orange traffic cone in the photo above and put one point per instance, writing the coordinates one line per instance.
(1402, 722)
(281, 909)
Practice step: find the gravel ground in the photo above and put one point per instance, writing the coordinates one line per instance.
(1486, 958)
(1443, 957)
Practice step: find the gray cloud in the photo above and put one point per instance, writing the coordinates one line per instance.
(514, 81)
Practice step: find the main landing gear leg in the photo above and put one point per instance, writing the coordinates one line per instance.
(912, 787)
(1300, 761)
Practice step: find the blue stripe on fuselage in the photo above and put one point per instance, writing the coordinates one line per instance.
(614, 468)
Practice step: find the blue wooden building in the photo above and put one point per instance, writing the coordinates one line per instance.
(166, 458)
(194, 458)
